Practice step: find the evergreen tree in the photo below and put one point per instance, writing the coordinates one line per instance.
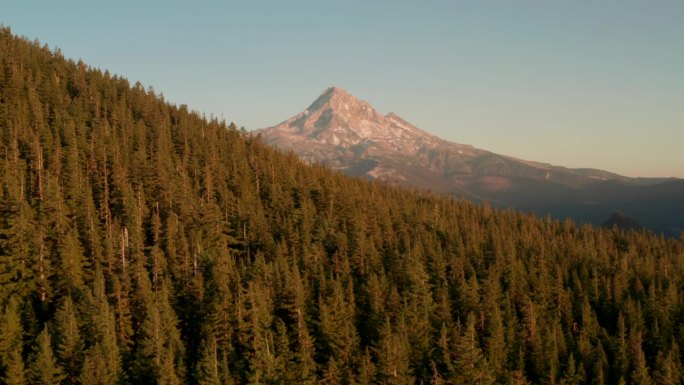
(44, 368)
(572, 375)
(470, 365)
(102, 361)
(11, 346)
(392, 352)
(18, 235)
(70, 345)
(668, 368)
(208, 366)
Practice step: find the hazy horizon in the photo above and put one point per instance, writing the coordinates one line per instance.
(576, 84)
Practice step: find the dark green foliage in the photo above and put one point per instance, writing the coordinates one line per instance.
(161, 247)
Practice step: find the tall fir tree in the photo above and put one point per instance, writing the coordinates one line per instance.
(44, 369)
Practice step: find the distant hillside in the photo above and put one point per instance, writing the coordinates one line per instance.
(348, 134)
(143, 244)
(622, 222)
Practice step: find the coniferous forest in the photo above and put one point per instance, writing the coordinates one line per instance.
(143, 243)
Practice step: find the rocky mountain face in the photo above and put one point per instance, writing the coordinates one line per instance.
(348, 134)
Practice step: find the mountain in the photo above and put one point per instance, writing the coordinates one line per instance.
(348, 134)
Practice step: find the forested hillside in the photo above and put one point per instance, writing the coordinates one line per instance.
(143, 243)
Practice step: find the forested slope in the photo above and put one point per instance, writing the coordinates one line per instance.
(143, 243)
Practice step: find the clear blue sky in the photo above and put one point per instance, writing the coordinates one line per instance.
(577, 83)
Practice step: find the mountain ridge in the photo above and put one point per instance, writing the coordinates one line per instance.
(339, 128)
(347, 134)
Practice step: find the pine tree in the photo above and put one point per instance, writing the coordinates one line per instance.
(94, 369)
(668, 367)
(208, 365)
(338, 331)
(367, 369)
(102, 361)
(44, 368)
(159, 353)
(495, 344)
(470, 364)
(392, 352)
(640, 372)
(11, 346)
(572, 375)
(70, 272)
(70, 345)
(18, 235)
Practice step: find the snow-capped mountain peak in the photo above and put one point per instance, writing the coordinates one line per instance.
(347, 133)
(340, 101)
(338, 119)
